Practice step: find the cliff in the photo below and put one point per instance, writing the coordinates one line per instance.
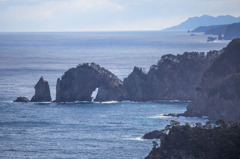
(78, 84)
(174, 77)
(232, 31)
(229, 31)
(42, 92)
(218, 92)
(199, 142)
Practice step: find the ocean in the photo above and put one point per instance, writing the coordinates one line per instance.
(84, 130)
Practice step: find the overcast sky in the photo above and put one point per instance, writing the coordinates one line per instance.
(104, 15)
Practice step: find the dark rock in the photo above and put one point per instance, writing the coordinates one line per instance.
(42, 91)
(220, 37)
(78, 84)
(174, 77)
(172, 115)
(218, 93)
(21, 99)
(156, 134)
(211, 39)
(232, 31)
(136, 85)
(199, 142)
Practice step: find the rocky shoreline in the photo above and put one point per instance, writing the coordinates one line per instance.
(210, 80)
(212, 141)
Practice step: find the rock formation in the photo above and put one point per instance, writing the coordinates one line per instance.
(42, 92)
(200, 142)
(156, 134)
(218, 95)
(174, 77)
(232, 31)
(136, 85)
(21, 99)
(78, 84)
(229, 31)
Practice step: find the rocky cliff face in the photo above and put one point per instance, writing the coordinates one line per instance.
(78, 84)
(174, 77)
(136, 85)
(229, 31)
(42, 92)
(232, 31)
(199, 142)
(218, 93)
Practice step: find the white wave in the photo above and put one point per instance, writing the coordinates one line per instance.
(94, 94)
(158, 116)
(110, 102)
(134, 138)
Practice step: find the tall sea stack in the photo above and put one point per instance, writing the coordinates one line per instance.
(42, 91)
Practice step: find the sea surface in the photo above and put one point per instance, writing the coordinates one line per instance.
(84, 130)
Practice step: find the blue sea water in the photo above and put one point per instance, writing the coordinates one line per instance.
(77, 130)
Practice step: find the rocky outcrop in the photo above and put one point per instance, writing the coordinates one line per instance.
(174, 77)
(42, 92)
(226, 32)
(199, 142)
(21, 99)
(232, 31)
(218, 93)
(156, 134)
(78, 84)
(136, 85)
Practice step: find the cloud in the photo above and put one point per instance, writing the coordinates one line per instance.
(34, 9)
(65, 15)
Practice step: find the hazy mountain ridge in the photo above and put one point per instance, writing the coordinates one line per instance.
(205, 20)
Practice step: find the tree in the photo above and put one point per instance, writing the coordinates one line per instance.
(175, 123)
(221, 123)
(198, 125)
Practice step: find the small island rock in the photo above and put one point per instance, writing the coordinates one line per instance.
(42, 92)
(21, 99)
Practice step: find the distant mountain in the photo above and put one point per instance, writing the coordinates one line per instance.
(204, 20)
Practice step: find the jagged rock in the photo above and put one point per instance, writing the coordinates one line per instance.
(209, 39)
(21, 99)
(199, 142)
(136, 85)
(42, 92)
(78, 84)
(174, 77)
(156, 134)
(218, 93)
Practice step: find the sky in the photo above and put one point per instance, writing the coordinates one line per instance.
(106, 15)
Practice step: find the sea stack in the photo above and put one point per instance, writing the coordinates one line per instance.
(42, 91)
(78, 84)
